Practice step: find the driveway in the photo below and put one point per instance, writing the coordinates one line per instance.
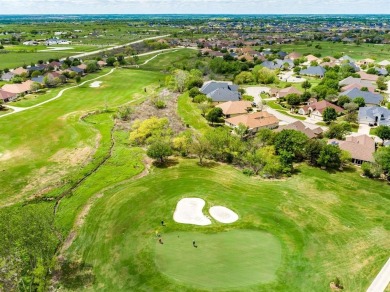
(288, 77)
(255, 91)
(364, 129)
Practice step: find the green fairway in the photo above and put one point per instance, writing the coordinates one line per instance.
(377, 52)
(37, 152)
(230, 259)
(328, 225)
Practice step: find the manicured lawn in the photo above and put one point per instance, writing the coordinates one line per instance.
(282, 110)
(191, 114)
(328, 224)
(236, 258)
(170, 60)
(376, 52)
(37, 144)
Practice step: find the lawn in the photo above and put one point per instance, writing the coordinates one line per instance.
(282, 110)
(38, 144)
(190, 113)
(236, 258)
(174, 59)
(374, 51)
(328, 225)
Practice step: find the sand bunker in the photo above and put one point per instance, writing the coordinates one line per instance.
(95, 84)
(189, 211)
(223, 214)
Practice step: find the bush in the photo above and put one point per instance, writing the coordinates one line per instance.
(248, 172)
(200, 98)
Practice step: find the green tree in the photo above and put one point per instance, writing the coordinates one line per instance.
(241, 130)
(360, 101)
(313, 149)
(214, 115)
(244, 78)
(149, 130)
(293, 99)
(382, 157)
(92, 66)
(330, 157)
(338, 131)
(200, 147)
(306, 85)
(383, 132)
(381, 83)
(292, 142)
(329, 115)
(265, 76)
(343, 100)
(159, 150)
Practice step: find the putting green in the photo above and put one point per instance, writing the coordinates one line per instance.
(222, 260)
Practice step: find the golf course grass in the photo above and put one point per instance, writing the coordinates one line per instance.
(231, 259)
(328, 226)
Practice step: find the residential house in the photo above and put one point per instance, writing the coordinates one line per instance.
(300, 127)
(366, 61)
(19, 71)
(18, 89)
(370, 77)
(102, 63)
(77, 70)
(361, 148)
(358, 86)
(351, 80)
(384, 63)
(288, 90)
(317, 71)
(234, 108)
(294, 55)
(7, 76)
(7, 96)
(347, 59)
(38, 79)
(254, 121)
(312, 58)
(316, 109)
(374, 116)
(370, 98)
(221, 91)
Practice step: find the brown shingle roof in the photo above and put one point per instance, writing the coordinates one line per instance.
(289, 90)
(299, 126)
(360, 147)
(4, 95)
(235, 107)
(18, 88)
(254, 120)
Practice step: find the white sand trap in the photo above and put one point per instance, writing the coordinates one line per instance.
(95, 84)
(223, 214)
(189, 211)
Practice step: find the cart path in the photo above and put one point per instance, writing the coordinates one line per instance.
(382, 280)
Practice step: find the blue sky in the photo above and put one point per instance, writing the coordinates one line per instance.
(195, 6)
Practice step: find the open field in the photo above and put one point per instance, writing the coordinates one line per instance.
(171, 60)
(362, 51)
(328, 225)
